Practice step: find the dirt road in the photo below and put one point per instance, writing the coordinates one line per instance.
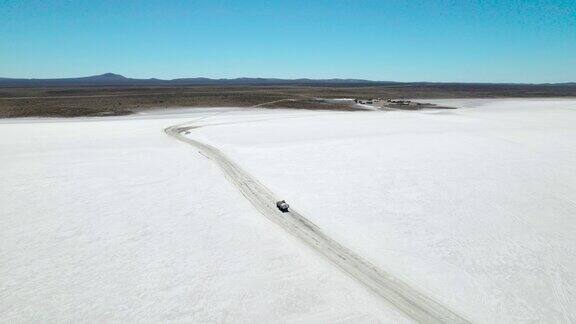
(410, 301)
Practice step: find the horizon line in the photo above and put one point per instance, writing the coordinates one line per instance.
(117, 76)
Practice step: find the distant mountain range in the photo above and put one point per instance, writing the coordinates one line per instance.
(111, 79)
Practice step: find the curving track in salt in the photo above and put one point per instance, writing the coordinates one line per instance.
(410, 301)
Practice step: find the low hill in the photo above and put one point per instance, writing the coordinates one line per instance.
(112, 79)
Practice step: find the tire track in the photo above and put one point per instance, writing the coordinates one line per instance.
(407, 299)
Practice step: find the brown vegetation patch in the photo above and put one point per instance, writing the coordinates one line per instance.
(96, 101)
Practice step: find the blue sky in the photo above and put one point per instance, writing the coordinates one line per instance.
(466, 40)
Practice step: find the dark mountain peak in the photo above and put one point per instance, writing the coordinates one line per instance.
(109, 76)
(104, 77)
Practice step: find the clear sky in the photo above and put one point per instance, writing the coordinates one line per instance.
(432, 40)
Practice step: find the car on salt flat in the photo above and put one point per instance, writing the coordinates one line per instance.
(283, 206)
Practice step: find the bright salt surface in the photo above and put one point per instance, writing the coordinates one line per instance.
(475, 207)
(111, 220)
